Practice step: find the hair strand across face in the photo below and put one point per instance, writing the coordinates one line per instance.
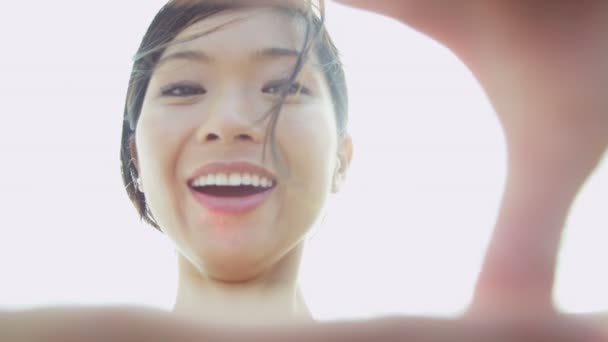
(176, 16)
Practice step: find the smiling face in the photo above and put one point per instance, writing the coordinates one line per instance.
(201, 136)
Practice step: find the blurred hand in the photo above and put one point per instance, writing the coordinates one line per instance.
(544, 66)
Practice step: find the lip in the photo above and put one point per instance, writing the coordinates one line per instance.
(231, 205)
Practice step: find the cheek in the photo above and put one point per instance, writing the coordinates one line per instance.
(158, 142)
(309, 140)
(161, 134)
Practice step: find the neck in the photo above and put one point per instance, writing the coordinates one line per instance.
(271, 298)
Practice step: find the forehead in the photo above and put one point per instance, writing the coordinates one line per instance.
(240, 31)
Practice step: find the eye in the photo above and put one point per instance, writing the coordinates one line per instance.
(182, 90)
(291, 88)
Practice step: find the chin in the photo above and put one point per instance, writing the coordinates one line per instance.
(236, 272)
(232, 267)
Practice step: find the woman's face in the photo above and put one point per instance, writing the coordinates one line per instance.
(200, 139)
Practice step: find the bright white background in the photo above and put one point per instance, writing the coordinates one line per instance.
(406, 235)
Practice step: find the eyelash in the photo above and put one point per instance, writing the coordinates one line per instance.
(187, 90)
(294, 88)
(273, 88)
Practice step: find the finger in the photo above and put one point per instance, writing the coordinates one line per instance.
(396, 8)
(519, 268)
(599, 320)
(541, 329)
(433, 17)
(556, 134)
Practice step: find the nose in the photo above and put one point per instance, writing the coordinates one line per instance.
(230, 121)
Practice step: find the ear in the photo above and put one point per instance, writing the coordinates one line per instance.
(134, 160)
(344, 157)
(133, 153)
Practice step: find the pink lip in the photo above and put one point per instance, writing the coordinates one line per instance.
(231, 205)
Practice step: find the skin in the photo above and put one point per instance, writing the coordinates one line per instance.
(528, 56)
(238, 268)
(525, 68)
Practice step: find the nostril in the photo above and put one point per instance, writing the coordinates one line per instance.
(243, 137)
(212, 137)
(240, 137)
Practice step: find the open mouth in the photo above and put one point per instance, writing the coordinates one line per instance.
(233, 188)
(232, 185)
(231, 194)
(230, 191)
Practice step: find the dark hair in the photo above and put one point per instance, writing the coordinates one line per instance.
(176, 16)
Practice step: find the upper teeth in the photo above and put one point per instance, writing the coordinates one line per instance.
(233, 179)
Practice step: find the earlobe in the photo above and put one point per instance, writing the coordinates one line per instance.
(134, 167)
(139, 185)
(337, 179)
(337, 183)
(344, 157)
(133, 154)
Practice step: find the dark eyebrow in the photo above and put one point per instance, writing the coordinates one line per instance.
(199, 56)
(275, 53)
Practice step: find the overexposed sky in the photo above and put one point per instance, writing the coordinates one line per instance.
(406, 234)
